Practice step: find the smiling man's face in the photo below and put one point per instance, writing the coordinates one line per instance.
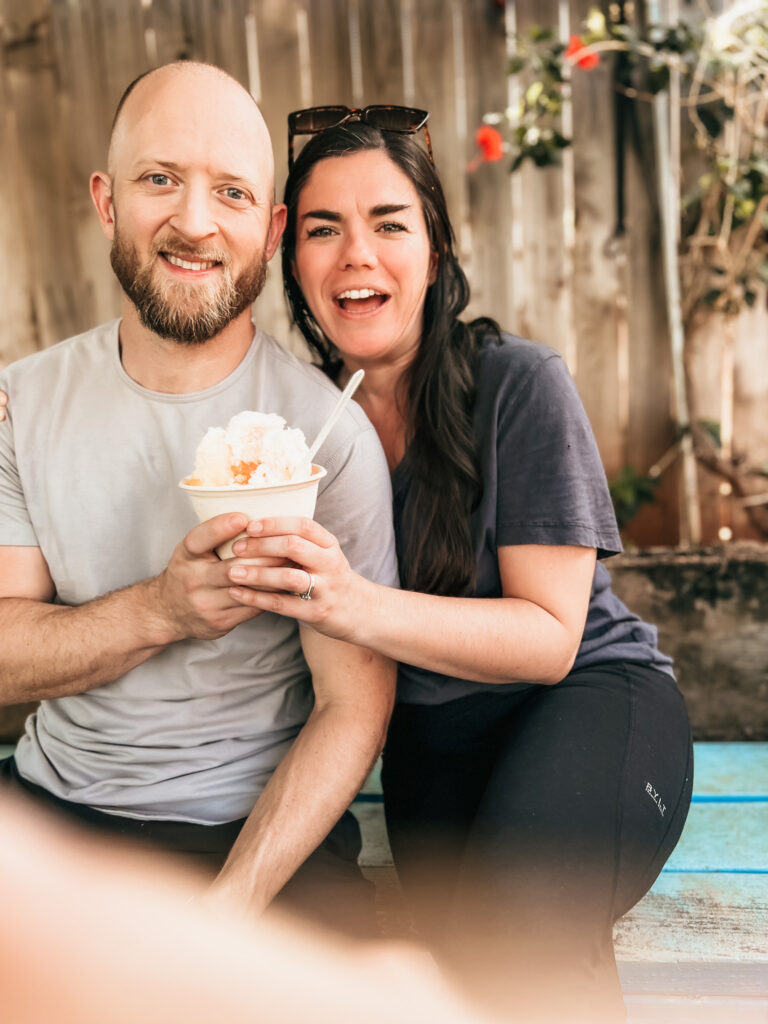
(190, 203)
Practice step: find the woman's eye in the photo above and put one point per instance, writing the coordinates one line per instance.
(323, 231)
(392, 226)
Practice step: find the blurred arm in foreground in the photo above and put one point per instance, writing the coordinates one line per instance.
(154, 956)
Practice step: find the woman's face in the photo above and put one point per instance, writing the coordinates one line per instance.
(363, 257)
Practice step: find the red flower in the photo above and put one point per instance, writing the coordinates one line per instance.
(489, 142)
(588, 61)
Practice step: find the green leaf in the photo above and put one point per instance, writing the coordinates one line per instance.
(533, 92)
(658, 79)
(629, 492)
(540, 34)
(516, 65)
(711, 427)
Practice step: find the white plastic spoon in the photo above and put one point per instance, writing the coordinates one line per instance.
(338, 409)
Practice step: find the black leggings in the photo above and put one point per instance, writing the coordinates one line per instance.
(524, 823)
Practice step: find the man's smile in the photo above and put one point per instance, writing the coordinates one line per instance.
(185, 264)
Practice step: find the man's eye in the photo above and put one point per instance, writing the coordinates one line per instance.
(234, 193)
(159, 179)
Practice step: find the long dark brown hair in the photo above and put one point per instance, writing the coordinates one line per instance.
(436, 553)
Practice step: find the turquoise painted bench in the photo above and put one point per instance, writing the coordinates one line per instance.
(695, 949)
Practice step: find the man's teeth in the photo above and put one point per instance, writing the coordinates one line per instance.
(188, 265)
(358, 293)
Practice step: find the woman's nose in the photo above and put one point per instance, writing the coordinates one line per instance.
(358, 250)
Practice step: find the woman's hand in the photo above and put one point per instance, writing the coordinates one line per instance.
(3, 403)
(338, 593)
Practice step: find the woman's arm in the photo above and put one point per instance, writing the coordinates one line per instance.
(530, 634)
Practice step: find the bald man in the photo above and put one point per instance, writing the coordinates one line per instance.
(169, 712)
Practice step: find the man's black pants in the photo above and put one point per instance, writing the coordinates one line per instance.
(328, 889)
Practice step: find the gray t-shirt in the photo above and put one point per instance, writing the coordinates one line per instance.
(89, 467)
(543, 483)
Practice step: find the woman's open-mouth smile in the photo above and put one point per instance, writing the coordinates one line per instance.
(361, 301)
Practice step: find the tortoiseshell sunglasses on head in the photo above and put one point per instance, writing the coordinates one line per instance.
(406, 120)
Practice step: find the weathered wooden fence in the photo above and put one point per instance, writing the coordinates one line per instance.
(543, 250)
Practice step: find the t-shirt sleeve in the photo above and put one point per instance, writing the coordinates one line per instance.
(551, 483)
(16, 529)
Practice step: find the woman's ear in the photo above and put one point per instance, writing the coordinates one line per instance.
(434, 259)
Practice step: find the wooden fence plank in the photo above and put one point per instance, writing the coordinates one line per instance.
(650, 429)
(329, 38)
(489, 263)
(16, 253)
(596, 284)
(380, 41)
(278, 45)
(169, 22)
(438, 85)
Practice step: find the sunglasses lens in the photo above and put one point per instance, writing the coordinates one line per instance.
(315, 119)
(397, 119)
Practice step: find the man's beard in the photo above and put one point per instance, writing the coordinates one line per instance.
(187, 313)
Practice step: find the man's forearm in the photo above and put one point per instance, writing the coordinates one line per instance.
(54, 651)
(313, 786)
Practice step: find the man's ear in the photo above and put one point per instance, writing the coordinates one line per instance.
(276, 229)
(101, 194)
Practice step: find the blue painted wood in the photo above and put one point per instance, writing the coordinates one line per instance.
(700, 918)
(730, 771)
(723, 838)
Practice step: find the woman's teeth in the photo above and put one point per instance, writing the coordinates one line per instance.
(188, 265)
(357, 293)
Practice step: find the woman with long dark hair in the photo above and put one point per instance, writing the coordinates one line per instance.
(538, 769)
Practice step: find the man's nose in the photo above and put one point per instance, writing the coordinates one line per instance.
(193, 216)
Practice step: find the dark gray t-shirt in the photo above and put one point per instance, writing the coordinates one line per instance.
(543, 483)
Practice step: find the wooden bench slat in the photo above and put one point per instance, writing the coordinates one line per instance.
(723, 837)
(730, 769)
(699, 917)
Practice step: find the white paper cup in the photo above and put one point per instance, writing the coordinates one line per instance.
(295, 498)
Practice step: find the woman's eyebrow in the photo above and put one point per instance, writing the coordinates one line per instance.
(322, 215)
(387, 208)
(383, 210)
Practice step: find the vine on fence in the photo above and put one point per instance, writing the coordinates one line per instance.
(716, 73)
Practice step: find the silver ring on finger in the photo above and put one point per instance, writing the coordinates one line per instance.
(307, 595)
